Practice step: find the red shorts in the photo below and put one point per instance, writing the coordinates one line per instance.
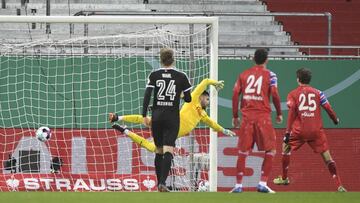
(318, 143)
(259, 131)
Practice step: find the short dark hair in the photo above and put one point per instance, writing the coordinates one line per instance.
(260, 56)
(304, 75)
(205, 93)
(167, 56)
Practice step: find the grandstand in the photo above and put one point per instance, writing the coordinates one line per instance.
(235, 30)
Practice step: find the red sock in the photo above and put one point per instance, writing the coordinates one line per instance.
(240, 166)
(332, 169)
(266, 166)
(285, 165)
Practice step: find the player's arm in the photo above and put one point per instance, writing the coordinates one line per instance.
(329, 110)
(235, 102)
(186, 89)
(215, 126)
(200, 88)
(275, 96)
(291, 117)
(147, 96)
(291, 113)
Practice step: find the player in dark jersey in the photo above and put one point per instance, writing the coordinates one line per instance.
(167, 84)
(256, 85)
(304, 125)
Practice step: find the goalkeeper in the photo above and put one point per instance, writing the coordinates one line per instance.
(190, 116)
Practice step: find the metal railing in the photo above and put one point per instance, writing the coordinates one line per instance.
(209, 13)
(308, 47)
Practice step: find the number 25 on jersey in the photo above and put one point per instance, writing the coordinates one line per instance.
(307, 102)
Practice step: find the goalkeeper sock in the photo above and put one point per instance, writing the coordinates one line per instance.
(241, 166)
(266, 166)
(285, 165)
(165, 168)
(158, 163)
(332, 169)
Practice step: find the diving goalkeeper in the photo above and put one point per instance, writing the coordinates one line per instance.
(190, 116)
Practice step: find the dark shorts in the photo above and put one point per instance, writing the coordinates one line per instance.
(165, 131)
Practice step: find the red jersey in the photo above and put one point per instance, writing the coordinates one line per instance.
(304, 111)
(255, 85)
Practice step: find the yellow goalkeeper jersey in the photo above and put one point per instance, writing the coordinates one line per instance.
(192, 113)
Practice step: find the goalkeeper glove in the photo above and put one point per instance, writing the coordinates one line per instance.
(286, 138)
(336, 122)
(219, 85)
(228, 132)
(113, 117)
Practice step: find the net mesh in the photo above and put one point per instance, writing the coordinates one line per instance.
(70, 86)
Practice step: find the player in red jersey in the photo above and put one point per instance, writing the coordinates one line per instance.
(305, 125)
(255, 85)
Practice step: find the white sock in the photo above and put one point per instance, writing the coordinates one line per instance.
(263, 183)
(238, 185)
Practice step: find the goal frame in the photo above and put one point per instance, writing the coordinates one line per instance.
(213, 42)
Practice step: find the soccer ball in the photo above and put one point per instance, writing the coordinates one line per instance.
(43, 134)
(203, 186)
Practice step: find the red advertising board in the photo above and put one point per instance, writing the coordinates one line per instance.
(104, 153)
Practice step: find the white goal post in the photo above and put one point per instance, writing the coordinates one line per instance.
(213, 52)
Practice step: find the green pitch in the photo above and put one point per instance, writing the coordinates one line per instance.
(154, 197)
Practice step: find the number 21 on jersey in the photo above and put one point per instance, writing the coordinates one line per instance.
(253, 84)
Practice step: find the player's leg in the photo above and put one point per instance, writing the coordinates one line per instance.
(285, 163)
(157, 133)
(295, 142)
(331, 165)
(138, 119)
(159, 156)
(245, 142)
(136, 138)
(144, 143)
(265, 138)
(320, 145)
(170, 135)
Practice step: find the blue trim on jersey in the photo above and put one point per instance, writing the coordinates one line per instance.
(273, 79)
(323, 99)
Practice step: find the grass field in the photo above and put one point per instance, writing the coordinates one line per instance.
(149, 197)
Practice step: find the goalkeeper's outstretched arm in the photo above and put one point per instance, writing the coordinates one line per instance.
(215, 126)
(200, 88)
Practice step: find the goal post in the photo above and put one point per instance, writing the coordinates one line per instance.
(212, 39)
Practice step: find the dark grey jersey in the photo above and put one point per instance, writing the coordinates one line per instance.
(168, 83)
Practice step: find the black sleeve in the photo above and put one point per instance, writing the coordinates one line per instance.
(146, 101)
(187, 96)
(187, 89)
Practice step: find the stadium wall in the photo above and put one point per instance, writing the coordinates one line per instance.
(27, 81)
(22, 108)
(338, 79)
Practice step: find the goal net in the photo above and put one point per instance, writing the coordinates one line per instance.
(70, 83)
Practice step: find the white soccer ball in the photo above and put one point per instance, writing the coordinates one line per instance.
(43, 134)
(203, 186)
